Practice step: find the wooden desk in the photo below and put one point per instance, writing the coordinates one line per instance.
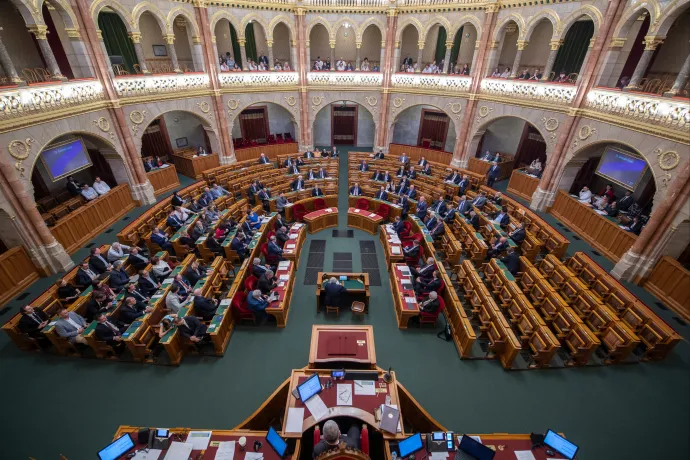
(415, 153)
(356, 283)
(322, 219)
(304, 198)
(505, 167)
(362, 407)
(392, 250)
(375, 205)
(601, 232)
(194, 166)
(163, 179)
(293, 247)
(363, 220)
(404, 310)
(522, 184)
(353, 345)
(281, 308)
(670, 282)
(270, 150)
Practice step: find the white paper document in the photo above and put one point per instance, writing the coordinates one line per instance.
(291, 246)
(524, 455)
(179, 451)
(254, 456)
(410, 300)
(329, 210)
(317, 407)
(293, 236)
(199, 439)
(152, 454)
(283, 264)
(438, 455)
(226, 450)
(284, 277)
(372, 215)
(356, 210)
(395, 250)
(344, 394)
(225, 302)
(294, 420)
(365, 388)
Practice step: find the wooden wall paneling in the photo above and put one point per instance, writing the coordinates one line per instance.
(17, 271)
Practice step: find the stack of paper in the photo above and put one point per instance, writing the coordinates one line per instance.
(284, 277)
(293, 236)
(357, 210)
(283, 264)
(294, 420)
(395, 250)
(372, 215)
(329, 210)
(179, 451)
(199, 439)
(290, 246)
(225, 302)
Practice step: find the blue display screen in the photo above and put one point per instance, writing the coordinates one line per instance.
(276, 442)
(117, 448)
(409, 445)
(622, 168)
(560, 444)
(309, 388)
(65, 159)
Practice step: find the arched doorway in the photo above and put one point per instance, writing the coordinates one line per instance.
(263, 123)
(319, 50)
(571, 54)
(371, 52)
(462, 52)
(177, 130)
(119, 46)
(410, 54)
(424, 126)
(512, 137)
(508, 36)
(344, 123)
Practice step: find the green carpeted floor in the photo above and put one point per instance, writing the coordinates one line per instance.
(54, 405)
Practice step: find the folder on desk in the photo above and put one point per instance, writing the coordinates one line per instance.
(341, 345)
(389, 419)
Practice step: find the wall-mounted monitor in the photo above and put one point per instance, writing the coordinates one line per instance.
(622, 168)
(66, 158)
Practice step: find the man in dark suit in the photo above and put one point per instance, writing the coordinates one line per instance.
(398, 225)
(265, 195)
(401, 172)
(273, 248)
(386, 177)
(364, 166)
(502, 218)
(316, 191)
(437, 230)
(214, 246)
(473, 220)
(287, 163)
(430, 304)
(422, 207)
(294, 169)
(611, 210)
(257, 269)
(635, 226)
(497, 199)
(252, 191)
(479, 200)
(464, 206)
(184, 287)
(282, 236)
(413, 251)
(297, 184)
(174, 222)
(334, 293)
(453, 178)
(97, 262)
(407, 61)
(263, 159)
(431, 220)
(379, 155)
(267, 282)
(382, 194)
(492, 174)
(332, 438)
(161, 239)
(32, 321)
(422, 162)
(193, 274)
(423, 286)
(203, 306)
(411, 192)
(238, 246)
(356, 190)
(118, 278)
(299, 161)
(497, 247)
(411, 174)
(519, 234)
(404, 203)
(85, 276)
(109, 333)
(191, 328)
(402, 187)
(309, 154)
(377, 175)
(322, 174)
(136, 260)
(130, 310)
(439, 207)
(132, 291)
(463, 184)
(624, 203)
(512, 261)
(98, 303)
(73, 186)
(147, 285)
(427, 170)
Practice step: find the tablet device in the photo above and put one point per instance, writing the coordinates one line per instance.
(560, 444)
(276, 442)
(309, 388)
(117, 448)
(410, 445)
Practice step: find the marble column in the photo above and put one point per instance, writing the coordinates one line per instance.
(651, 44)
(555, 45)
(170, 46)
(681, 79)
(41, 34)
(358, 45)
(494, 54)
(584, 61)
(307, 50)
(243, 53)
(198, 55)
(383, 55)
(136, 40)
(8, 66)
(271, 61)
(521, 45)
(474, 59)
(420, 56)
(332, 43)
(396, 58)
(293, 55)
(446, 59)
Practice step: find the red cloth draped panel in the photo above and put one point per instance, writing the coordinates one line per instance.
(433, 129)
(254, 125)
(344, 125)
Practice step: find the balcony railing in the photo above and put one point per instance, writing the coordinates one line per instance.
(159, 84)
(348, 3)
(670, 113)
(555, 93)
(344, 79)
(24, 101)
(432, 82)
(257, 79)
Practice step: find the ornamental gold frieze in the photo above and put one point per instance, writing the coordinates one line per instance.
(549, 93)
(141, 86)
(426, 82)
(262, 80)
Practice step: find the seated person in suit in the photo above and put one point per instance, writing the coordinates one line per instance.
(147, 285)
(497, 199)
(624, 203)
(66, 292)
(281, 202)
(194, 273)
(401, 172)
(422, 207)
(197, 231)
(282, 236)
(501, 218)
(293, 169)
(463, 184)
(161, 239)
(85, 275)
(191, 328)
(252, 191)
(379, 155)
(217, 191)
(425, 285)
(267, 282)
(430, 219)
(116, 251)
(299, 162)
(413, 251)
(356, 190)
(473, 220)
(364, 166)
(382, 194)
(160, 268)
(263, 159)
(257, 303)
(427, 169)
(334, 293)
(311, 175)
(273, 248)
(377, 175)
(132, 291)
(404, 203)
(32, 321)
(635, 226)
(108, 332)
(203, 306)
(323, 174)
(316, 191)
(136, 260)
(88, 192)
(70, 325)
(611, 210)
(425, 271)
(439, 207)
(215, 246)
(174, 300)
(118, 278)
(131, 309)
(297, 184)
(239, 246)
(288, 162)
(174, 222)
(422, 162)
(258, 269)
(438, 230)
(332, 438)
(512, 261)
(74, 186)
(386, 177)
(498, 246)
(412, 192)
(176, 199)
(195, 206)
(398, 225)
(519, 234)
(430, 304)
(404, 159)
(487, 156)
(454, 178)
(585, 195)
(479, 200)
(308, 154)
(411, 174)
(97, 262)
(464, 206)
(187, 241)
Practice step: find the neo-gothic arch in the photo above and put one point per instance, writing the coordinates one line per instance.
(588, 10)
(481, 129)
(31, 14)
(249, 18)
(339, 23)
(207, 124)
(180, 11)
(281, 18)
(415, 103)
(368, 23)
(534, 21)
(65, 11)
(259, 98)
(414, 22)
(465, 20)
(441, 21)
(319, 20)
(631, 14)
(328, 98)
(668, 17)
(500, 28)
(147, 7)
(130, 24)
(220, 15)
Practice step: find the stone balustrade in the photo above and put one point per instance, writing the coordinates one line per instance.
(258, 79)
(345, 79)
(24, 101)
(146, 85)
(553, 93)
(445, 83)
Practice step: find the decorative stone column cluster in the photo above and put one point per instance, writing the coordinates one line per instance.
(681, 79)
(383, 55)
(198, 55)
(170, 46)
(8, 66)
(474, 59)
(446, 58)
(651, 44)
(41, 34)
(420, 56)
(218, 53)
(555, 46)
(332, 43)
(358, 45)
(271, 61)
(521, 45)
(136, 41)
(293, 54)
(243, 53)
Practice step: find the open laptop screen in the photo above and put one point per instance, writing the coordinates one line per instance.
(560, 444)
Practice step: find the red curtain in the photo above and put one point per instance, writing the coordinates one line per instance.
(344, 125)
(532, 145)
(434, 129)
(154, 142)
(254, 125)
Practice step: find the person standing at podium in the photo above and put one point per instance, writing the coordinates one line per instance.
(334, 293)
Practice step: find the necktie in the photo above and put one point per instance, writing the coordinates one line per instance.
(111, 326)
(35, 317)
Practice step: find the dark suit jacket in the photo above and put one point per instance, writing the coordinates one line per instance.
(463, 185)
(464, 207)
(474, 221)
(29, 326)
(193, 276)
(82, 279)
(518, 236)
(512, 262)
(421, 210)
(73, 188)
(398, 226)
(505, 220)
(174, 222)
(129, 314)
(334, 293)
(213, 244)
(364, 167)
(118, 279)
(297, 183)
(176, 201)
(281, 238)
(146, 287)
(412, 194)
(264, 285)
(317, 192)
(194, 327)
(431, 307)
(624, 203)
(411, 252)
(106, 334)
(66, 291)
(204, 307)
(97, 265)
(93, 308)
(382, 195)
(493, 172)
(136, 262)
(238, 246)
(352, 191)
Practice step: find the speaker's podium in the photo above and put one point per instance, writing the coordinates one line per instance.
(335, 347)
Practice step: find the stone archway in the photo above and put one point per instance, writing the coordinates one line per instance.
(236, 103)
(320, 100)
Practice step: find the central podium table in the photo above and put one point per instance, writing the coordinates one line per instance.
(364, 220)
(353, 345)
(321, 219)
(355, 283)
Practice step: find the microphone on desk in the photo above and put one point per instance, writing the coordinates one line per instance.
(388, 377)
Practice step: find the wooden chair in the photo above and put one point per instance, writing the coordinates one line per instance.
(331, 308)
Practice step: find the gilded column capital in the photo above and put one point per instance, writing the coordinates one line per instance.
(269, 43)
(392, 12)
(73, 33)
(200, 3)
(492, 8)
(332, 43)
(197, 40)
(40, 31)
(397, 44)
(449, 45)
(213, 39)
(617, 42)
(241, 41)
(591, 42)
(307, 43)
(358, 45)
(651, 42)
(293, 43)
(135, 36)
(555, 44)
(383, 43)
(420, 45)
(169, 39)
(300, 11)
(99, 34)
(522, 44)
(493, 44)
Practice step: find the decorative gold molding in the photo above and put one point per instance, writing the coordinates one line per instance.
(137, 117)
(290, 100)
(197, 40)
(204, 106)
(667, 160)
(617, 42)
(233, 104)
(20, 151)
(371, 100)
(585, 132)
(40, 31)
(522, 44)
(555, 44)
(651, 42)
(73, 33)
(135, 37)
(398, 101)
(169, 39)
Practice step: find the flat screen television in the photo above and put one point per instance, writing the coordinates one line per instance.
(622, 168)
(66, 158)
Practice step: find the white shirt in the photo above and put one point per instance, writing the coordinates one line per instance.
(114, 254)
(101, 187)
(72, 322)
(585, 195)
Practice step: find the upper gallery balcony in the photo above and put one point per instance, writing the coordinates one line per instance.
(147, 85)
(422, 82)
(552, 93)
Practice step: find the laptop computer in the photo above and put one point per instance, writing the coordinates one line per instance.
(471, 449)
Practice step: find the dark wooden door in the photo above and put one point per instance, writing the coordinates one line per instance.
(343, 125)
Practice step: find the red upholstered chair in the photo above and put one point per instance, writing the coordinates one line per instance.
(363, 436)
(288, 137)
(412, 261)
(430, 318)
(271, 139)
(239, 307)
(279, 138)
(419, 237)
(319, 203)
(426, 143)
(299, 211)
(406, 234)
(250, 283)
(363, 203)
(384, 211)
(270, 234)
